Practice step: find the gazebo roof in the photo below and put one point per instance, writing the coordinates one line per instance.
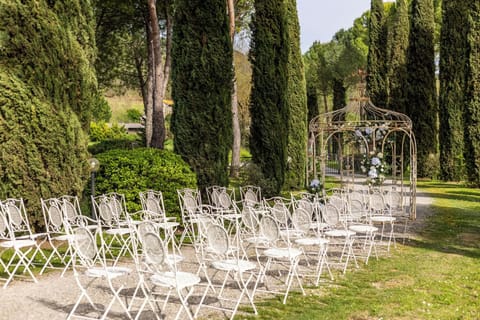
(360, 112)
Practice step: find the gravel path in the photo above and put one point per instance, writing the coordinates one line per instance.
(53, 296)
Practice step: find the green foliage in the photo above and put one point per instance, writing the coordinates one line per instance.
(296, 100)
(453, 65)
(397, 69)
(100, 131)
(202, 82)
(43, 150)
(131, 171)
(268, 107)
(134, 115)
(101, 110)
(51, 46)
(128, 142)
(472, 97)
(377, 55)
(421, 90)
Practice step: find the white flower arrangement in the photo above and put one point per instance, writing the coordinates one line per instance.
(375, 168)
(315, 186)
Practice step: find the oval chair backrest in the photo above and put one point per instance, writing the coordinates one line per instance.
(105, 212)
(145, 227)
(69, 210)
(377, 203)
(280, 212)
(249, 218)
(85, 246)
(153, 207)
(153, 249)
(189, 203)
(217, 239)
(269, 228)
(55, 216)
(250, 198)
(306, 205)
(357, 210)
(224, 200)
(15, 216)
(4, 232)
(330, 215)
(302, 219)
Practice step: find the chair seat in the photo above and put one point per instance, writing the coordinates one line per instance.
(182, 280)
(282, 253)
(339, 233)
(167, 224)
(312, 241)
(382, 219)
(363, 228)
(64, 237)
(110, 272)
(17, 244)
(232, 264)
(257, 240)
(120, 231)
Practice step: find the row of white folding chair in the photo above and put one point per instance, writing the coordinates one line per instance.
(17, 235)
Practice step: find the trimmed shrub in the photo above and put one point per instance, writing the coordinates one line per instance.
(131, 171)
(100, 131)
(43, 150)
(129, 142)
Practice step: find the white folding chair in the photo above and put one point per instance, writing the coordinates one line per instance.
(19, 260)
(114, 221)
(20, 228)
(379, 214)
(281, 255)
(339, 235)
(302, 222)
(225, 259)
(56, 234)
(73, 214)
(190, 207)
(154, 210)
(89, 266)
(157, 271)
(251, 196)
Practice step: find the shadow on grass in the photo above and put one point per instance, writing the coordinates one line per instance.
(467, 251)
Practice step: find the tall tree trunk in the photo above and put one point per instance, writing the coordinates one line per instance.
(168, 49)
(148, 90)
(235, 165)
(158, 130)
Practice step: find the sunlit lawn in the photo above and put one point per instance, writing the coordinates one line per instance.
(435, 275)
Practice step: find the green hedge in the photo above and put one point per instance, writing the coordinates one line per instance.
(131, 171)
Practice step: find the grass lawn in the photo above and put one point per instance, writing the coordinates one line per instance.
(435, 275)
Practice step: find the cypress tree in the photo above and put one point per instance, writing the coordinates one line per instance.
(296, 100)
(202, 79)
(268, 108)
(377, 55)
(312, 102)
(397, 69)
(421, 90)
(47, 90)
(339, 94)
(472, 101)
(453, 64)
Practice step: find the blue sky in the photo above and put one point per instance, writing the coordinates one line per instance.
(321, 19)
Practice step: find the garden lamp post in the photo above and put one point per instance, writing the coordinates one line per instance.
(94, 165)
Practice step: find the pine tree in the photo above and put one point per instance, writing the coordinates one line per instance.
(377, 55)
(47, 89)
(268, 108)
(296, 99)
(421, 90)
(397, 69)
(472, 101)
(453, 64)
(202, 78)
